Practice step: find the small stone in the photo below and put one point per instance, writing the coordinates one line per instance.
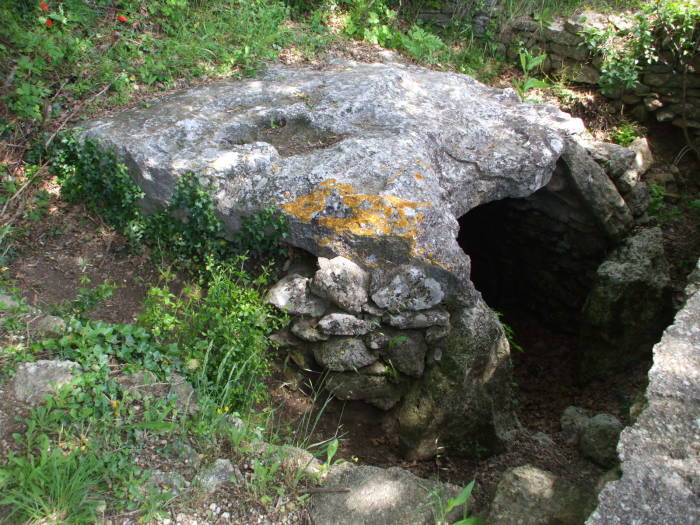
(406, 351)
(376, 340)
(35, 380)
(171, 482)
(652, 103)
(598, 439)
(292, 295)
(422, 319)
(436, 333)
(409, 289)
(573, 421)
(222, 471)
(643, 158)
(527, 495)
(343, 353)
(307, 330)
(342, 282)
(343, 324)
(7, 302)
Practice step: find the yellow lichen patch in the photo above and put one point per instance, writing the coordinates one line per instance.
(369, 215)
(418, 176)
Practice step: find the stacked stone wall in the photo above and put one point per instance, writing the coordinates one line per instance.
(661, 94)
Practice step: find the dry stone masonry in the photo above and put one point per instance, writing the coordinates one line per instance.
(373, 165)
(661, 93)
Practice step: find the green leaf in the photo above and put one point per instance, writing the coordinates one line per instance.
(461, 498)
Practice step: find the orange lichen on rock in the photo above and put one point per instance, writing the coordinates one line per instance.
(371, 215)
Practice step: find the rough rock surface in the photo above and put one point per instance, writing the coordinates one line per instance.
(342, 282)
(369, 161)
(374, 163)
(343, 324)
(659, 453)
(342, 354)
(379, 496)
(598, 439)
(34, 380)
(291, 294)
(527, 495)
(220, 472)
(628, 307)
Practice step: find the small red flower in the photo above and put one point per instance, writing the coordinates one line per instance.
(122, 18)
(49, 23)
(43, 6)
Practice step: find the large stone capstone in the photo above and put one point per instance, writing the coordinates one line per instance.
(372, 165)
(373, 162)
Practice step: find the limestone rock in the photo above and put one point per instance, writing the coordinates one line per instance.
(35, 380)
(422, 319)
(598, 439)
(342, 282)
(598, 190)
(167, 482)
(573, 421)
(48, 325)
(658, 454)
(627, 308)
(343, 324)
(222, 471)
(434, 411)
(381, 391)
(409, 288)
(292, 459)
(184, 393)
(292, 295)
(376, 340)
(307, 329)
(406, 351)
(614, 159)
(643, 158)
(343, 353)
(436, 333)
(380, 496)
(527, 495)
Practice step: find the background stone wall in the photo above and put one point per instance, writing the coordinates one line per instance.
(659, 94)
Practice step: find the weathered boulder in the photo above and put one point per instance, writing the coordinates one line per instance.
(406, 352)
(436, 411)
(35, 380)
(378, 496)
(628, 307)
(407, 288)
(659, 453)
(307, 329)
(527, 495)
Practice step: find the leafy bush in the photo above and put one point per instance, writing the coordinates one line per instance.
(222, 334)
(90, 175)
(665, 31)
(187, 230)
